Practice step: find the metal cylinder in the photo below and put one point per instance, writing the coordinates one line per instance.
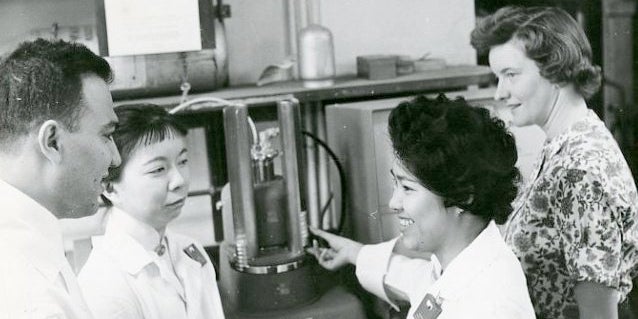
(264, 170)
(316, 56)
(271, 200)
(240, 177)
(288, 124)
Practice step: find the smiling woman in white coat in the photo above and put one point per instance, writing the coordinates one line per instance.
(138, 269)
(454, 178)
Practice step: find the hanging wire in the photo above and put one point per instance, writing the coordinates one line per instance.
(185, 86)
(215, 101)
(342, 180)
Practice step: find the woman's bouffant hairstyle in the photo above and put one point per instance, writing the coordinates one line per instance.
(458, 152)
(141, 124)
(550, 36)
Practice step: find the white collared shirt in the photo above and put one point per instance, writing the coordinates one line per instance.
(125, 278)
(484, 281)
(36, 280)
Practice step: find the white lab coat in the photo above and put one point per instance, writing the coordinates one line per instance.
(36, 280)
(125, 278)
(485, 281)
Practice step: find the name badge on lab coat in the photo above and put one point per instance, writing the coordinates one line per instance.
(428, 309)
(194, 254)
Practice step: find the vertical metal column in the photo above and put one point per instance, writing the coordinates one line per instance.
(289, 139)
(323, 180)
(312, 205)
(318, 166)
(240, 178)
(302, 172)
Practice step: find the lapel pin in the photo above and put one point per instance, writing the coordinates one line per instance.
(194, 254)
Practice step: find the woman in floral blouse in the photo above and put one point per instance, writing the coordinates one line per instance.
(574, 223)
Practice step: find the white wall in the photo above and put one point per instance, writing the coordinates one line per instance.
(411, 27)
(256, 38)
(18, 18)
(256, 31)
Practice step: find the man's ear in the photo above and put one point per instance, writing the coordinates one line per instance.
(109, 192)
(49, 140)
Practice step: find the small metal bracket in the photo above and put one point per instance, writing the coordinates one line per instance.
(222, 11)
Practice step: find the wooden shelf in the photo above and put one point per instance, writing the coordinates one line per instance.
(347, 87)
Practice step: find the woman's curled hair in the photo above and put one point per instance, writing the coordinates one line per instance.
(550, 37)
(458, 152)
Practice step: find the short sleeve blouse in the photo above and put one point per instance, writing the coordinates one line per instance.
(575, 219)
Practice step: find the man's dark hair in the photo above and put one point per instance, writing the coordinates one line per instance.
(42, 80)
(458, 152)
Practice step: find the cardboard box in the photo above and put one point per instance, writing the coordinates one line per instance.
(377, 67)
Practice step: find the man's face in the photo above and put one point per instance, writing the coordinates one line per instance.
(89, 151)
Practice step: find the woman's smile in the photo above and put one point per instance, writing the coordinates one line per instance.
(176, 204)
(405, 222)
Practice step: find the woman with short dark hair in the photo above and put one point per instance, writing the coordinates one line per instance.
(574, 224)
(454, 177)
(140, 269)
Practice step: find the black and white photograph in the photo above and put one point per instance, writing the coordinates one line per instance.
(318, 159)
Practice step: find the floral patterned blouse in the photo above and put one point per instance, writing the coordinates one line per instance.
(575, 219)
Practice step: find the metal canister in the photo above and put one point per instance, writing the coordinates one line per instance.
(316, 56)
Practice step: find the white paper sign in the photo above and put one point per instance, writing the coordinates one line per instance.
(152, 26)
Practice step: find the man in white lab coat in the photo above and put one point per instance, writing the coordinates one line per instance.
(56, 117)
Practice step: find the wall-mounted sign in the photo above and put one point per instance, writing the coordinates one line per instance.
(153, 26)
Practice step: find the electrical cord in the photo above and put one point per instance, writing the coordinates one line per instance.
(216, 101)
(322, 214)
(342, 181)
